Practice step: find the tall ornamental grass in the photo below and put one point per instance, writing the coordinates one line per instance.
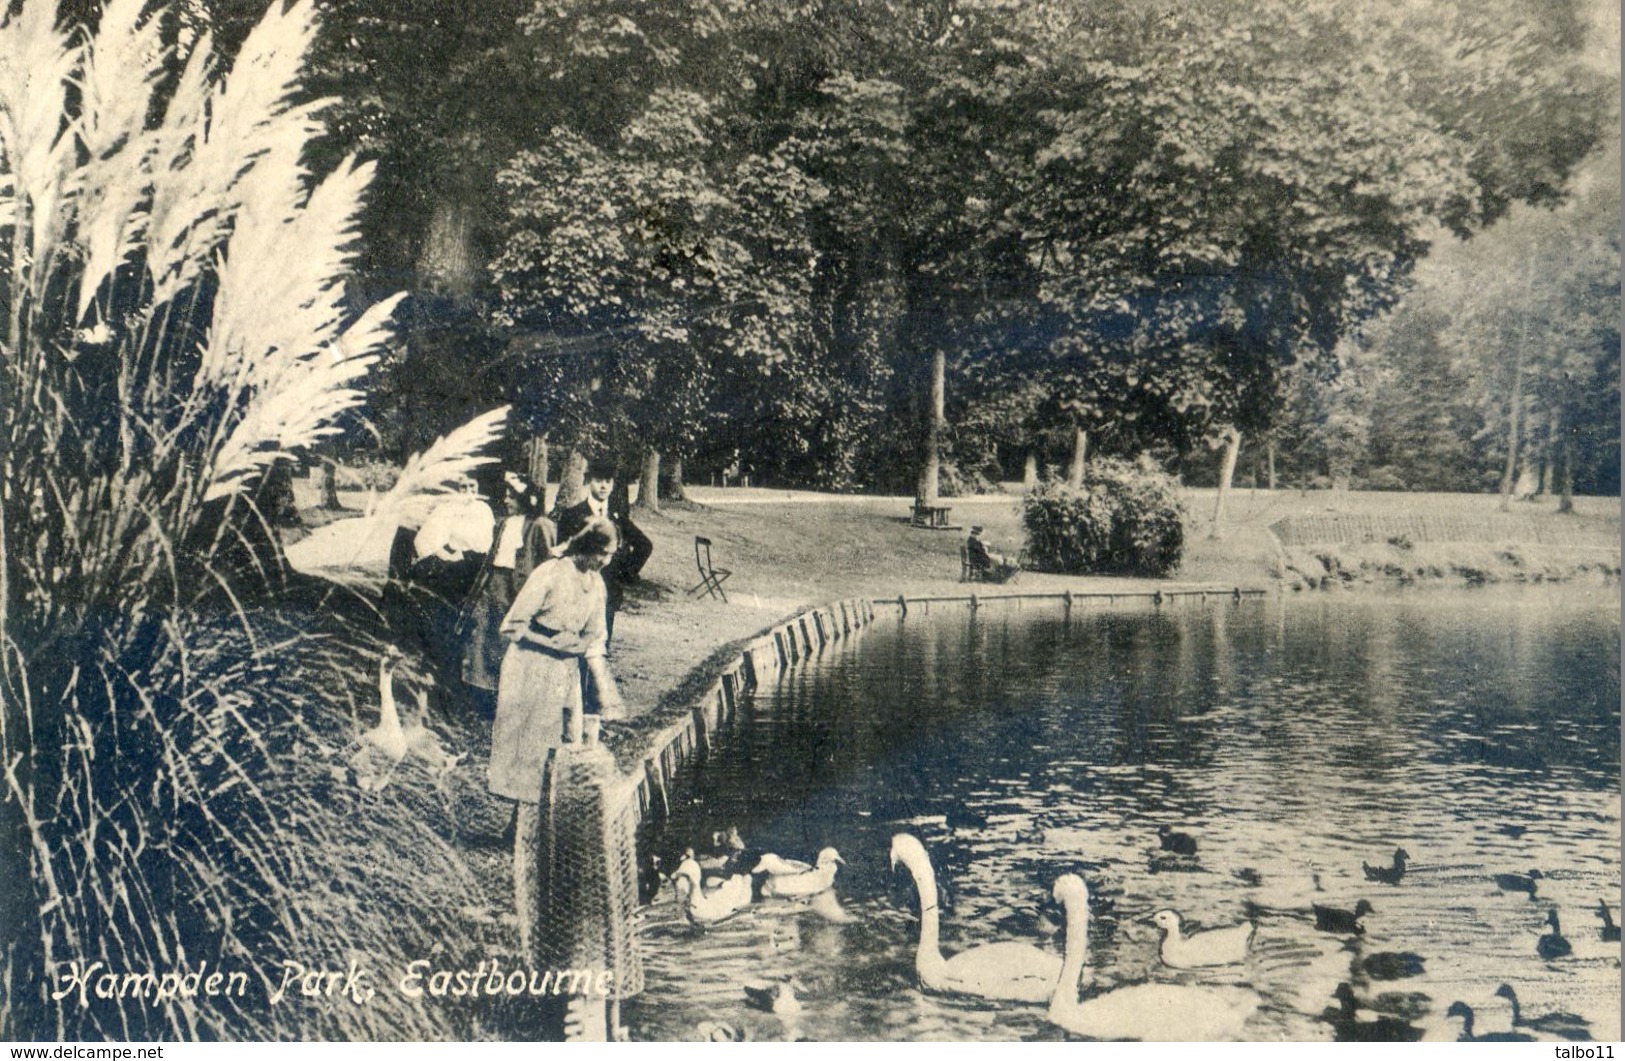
(176, 321)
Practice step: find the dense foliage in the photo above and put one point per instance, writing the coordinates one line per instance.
(1125, 520)
(744, 232)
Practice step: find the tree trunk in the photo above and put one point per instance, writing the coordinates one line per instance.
(572, 480)
(1544, 471)
(1269, 459)
(1232, 448)
(649, 483)
(672, 489)
(1029, 471)
(1565, 467)
(1514, 419)
(447, 263)
(330, 486)
(536, 460)
(1080, 450)
(932, 467)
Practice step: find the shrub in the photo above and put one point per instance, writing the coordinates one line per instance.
(1127, 519)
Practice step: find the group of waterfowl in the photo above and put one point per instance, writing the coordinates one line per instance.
(1022, 972)
(1390, 1021)
(731, 888)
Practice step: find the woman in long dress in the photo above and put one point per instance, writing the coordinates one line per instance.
(555, 631)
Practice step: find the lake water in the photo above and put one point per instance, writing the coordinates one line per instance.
(1293, 739)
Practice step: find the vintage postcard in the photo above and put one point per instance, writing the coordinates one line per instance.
(879, 520)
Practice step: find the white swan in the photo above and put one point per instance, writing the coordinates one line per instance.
(706, 906)
(386, 744)
(1018, 972)
(820, 877)
(1216, 946)
(1151, 1012)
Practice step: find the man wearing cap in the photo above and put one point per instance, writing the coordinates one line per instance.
(635, 546)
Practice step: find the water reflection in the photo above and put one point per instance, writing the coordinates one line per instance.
(1293, 741)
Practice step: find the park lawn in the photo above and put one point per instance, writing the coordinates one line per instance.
(791, 549)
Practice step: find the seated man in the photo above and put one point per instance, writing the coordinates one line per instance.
(986, 566)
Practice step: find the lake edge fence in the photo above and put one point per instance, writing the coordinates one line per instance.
(592, 806)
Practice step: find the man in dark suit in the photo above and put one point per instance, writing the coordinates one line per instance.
(635, 546)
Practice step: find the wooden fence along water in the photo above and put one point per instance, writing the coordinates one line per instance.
(588, 862)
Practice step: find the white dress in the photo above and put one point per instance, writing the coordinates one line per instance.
(538, 686)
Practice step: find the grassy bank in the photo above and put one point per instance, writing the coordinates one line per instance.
(791, 549)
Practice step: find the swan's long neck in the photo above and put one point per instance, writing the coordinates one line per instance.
(1074, 951)
(1517, 1018)
(388, 716)
(928, 956)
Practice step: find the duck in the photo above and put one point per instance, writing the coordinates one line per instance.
(1006, 971)
(1610, 931)
(1149, 1012)
(779, 1000)
(1178, 843)
(819, 878)
(1553, 945)
(1392, 965)
(1465, 1012)
(1559, 1023)
(1388, 874)
(726, 848)
(1381, 1028)
(1344, 922)
(779, 866)
(1519, 882)
(707, 906)
(715, 1031)
(1214, 946)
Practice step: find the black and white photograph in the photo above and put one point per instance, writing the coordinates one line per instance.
(810, 521)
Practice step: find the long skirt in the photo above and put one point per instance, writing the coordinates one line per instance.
(483, 645)
(536, 693)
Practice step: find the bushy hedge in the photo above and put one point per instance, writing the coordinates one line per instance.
(1127, 519)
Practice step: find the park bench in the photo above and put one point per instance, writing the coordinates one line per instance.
(933, 516)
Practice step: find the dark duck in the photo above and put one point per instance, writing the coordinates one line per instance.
(1343, 922)
(1388, 874)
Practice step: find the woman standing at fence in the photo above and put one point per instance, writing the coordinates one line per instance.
(555, 631)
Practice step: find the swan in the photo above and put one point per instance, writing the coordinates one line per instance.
(1017, 972)
(1332, 919)
(1465, 1012)
(1553, 945)
(1388, 874)
(1610, 931)
(1152, 1012)
(386, 744)
(707, 906)
(1560, 1024)
(820, 878)
(1216, 946)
